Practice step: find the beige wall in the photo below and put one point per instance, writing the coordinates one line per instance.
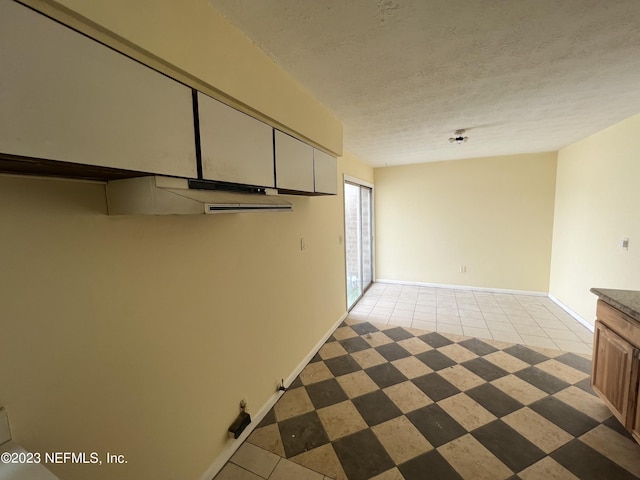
(494, 215)
(140, 335)
(597, 204)
(193, 38)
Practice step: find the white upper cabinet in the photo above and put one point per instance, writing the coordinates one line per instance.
(235, 147)
(66, 97)
(326, 172)
(294, 163)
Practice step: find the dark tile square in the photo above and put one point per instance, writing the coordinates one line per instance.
(269, 419)
(295, 384)
(354, 344)
(564, 416)
(435, 359)
(362, 455)
(586, 386)
(575, 361)
(511, 448)
(435, 339)
(494, 400)
(428, 465)
(342, 365)
(363, 328)
(436, 387)
(478, 346)
(385, 375)
(542, 380)
(325, 393)
(613, 423)
(436, 425)
(331, 339)
(392, 351)
(587, 464)
(526, 354)
(398, 333)
(302, 433)
(376, 407)
(315, 358)
(485, 369)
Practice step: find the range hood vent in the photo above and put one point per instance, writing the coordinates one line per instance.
(155, 195)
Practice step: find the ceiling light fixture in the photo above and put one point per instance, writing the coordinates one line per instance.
(459, 137)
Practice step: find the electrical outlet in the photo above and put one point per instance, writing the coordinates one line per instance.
(463, 269)
(243, 404)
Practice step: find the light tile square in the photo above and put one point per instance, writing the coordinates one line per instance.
(507, 362)
(331, 350)
(376, 339)
(293, 403)
(315, 372)
(457, 352)
(322, 459)
(584, 402)
(286, 470)
(615, 447)
(268, 438)
(472, 460)
(411, 367)
(255, 459)
(466, 411)
(562, 371)
(414, 345)
(517, 388)
(356, 384)
(461, 377)
(538, 430)
(401, 439)
(368, 358)
(341, 419)
(343, 333)
(407, 397)
(547, 469)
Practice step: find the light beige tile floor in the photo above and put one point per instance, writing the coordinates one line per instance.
(255, 463)
(531, 320)
(526, 319)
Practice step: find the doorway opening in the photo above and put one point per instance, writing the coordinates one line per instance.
(358, 217)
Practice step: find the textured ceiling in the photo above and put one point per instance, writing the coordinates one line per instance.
(521, 76)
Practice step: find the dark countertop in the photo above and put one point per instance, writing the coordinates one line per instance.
(627, 301)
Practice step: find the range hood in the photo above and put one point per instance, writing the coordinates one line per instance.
(156, 195)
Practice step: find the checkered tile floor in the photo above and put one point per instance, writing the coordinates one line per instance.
(387, 402)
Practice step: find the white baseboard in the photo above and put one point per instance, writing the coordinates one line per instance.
(228, 452)
(571, 312)
(463, 287)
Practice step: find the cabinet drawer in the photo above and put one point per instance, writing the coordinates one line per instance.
(619, 322)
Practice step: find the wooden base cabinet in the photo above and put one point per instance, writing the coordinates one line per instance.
(616, 365)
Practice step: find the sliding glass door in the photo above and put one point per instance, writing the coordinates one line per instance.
(358, 210)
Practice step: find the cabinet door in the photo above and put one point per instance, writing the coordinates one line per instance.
(294, 163)
(66, 97)
(612, 370)
(235, 147)
(326, 172)
(635, 386)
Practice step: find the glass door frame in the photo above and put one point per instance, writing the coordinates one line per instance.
(347, 179)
